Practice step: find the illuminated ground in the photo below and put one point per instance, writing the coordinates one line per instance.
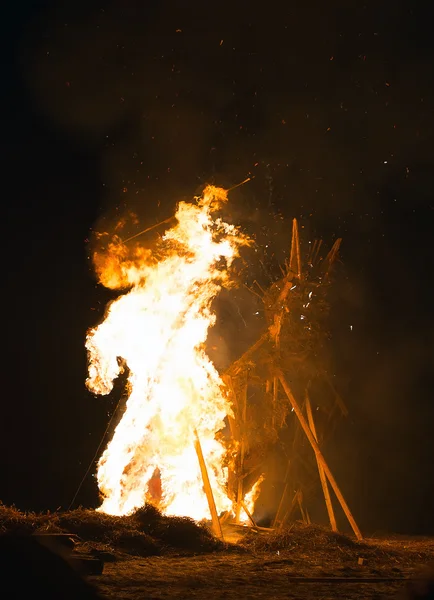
(265, 574)
(149, 556)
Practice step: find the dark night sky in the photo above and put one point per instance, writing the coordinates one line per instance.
(137, 104)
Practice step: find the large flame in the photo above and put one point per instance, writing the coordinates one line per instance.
(158, 330)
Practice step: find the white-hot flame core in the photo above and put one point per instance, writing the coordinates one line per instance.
(159, 328)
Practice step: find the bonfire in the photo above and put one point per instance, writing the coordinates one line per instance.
(157, 329)
(171, 447)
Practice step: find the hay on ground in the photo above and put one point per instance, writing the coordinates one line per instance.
(144, 533)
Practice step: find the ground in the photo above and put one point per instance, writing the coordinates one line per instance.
(148, 556)
(272, 573)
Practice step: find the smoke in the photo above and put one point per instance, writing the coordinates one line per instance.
(172, 102)
(330, 113)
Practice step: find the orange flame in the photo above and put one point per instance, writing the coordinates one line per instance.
(158, 330)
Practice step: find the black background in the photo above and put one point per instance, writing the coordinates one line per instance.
(131, 104)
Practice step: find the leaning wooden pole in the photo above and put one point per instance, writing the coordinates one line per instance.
(322, 475)
(294, 257)
(207, 487)
(240, 467)
(319, 455)
(290, 509)
(248, 513)
(277, 518)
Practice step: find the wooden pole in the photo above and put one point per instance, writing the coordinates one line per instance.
(290, 509)
(294, 257)
(242, 426)
(298, 252)
(235, 433)
(322, 476)
(330, 258)
(208, 489)
(227, 380)
(316, 252)
(246, 510)
(279, 510)
(238, 365)
(271, 388)
(225, 516)
(319, 455)
(312, 252)
(275, 390)
(300, 506)
(282, 498)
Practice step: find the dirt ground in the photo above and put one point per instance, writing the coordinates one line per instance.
(271, 574)
(148, 556)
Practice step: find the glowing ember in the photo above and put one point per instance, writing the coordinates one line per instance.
(158, 330)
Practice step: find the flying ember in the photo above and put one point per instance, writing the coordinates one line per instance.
(157, 330)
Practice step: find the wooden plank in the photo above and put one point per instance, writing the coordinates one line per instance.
(86, 565)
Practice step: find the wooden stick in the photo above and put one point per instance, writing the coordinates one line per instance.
(290, 509)
(298, 252)
(246, 510)
(300, 506)
(338, 398)
(239, 500)
(149, 229)
(227, 380)
(279, 509)
(275, 390)
(322, 476)
(253, 291)
(312, 252)
(259, 286)
(250, 471)
(330, 259)
(242, 417)
(241, 183)
(208, 489)
(225, 516)
(294, 258)
(320, 457)
(238, 365)
(285, 490)
(317, 252)
(235, 433)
